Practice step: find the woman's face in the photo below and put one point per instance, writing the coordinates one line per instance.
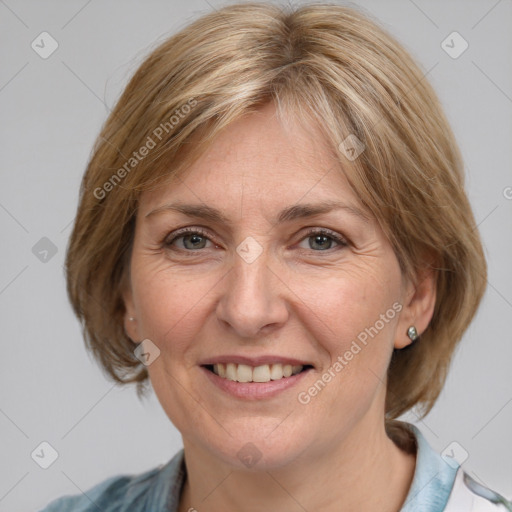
(260, 285)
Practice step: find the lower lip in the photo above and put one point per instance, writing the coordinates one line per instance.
(255, 390)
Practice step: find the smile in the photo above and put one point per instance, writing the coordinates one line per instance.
(263, 373)
(265, 381)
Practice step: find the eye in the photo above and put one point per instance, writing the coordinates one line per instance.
(322, 239)
(192, 238)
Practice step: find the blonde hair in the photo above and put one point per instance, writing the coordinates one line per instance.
(324, 64)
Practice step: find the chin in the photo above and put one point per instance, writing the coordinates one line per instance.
(263, 445)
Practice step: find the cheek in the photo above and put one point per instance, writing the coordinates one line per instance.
(170, 304)
(348, 303)
(353, 321)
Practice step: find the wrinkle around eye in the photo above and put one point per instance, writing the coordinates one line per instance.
(161, 238)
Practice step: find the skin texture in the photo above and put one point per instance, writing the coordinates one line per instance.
(298, 298)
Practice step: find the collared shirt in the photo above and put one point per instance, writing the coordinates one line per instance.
(438, 486)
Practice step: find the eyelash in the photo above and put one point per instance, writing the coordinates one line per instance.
(198, 231)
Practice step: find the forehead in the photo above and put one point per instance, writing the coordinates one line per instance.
(261, 162)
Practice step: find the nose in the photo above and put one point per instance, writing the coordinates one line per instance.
(253, 299)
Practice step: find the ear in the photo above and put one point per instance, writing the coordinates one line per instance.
(419, 300)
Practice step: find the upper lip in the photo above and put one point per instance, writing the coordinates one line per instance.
(254, 361)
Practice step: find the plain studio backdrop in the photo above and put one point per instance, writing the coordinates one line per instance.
(54, 97)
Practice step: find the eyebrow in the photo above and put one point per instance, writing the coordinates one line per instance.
(288, 214)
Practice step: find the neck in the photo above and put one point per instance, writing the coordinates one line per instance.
(364, 471)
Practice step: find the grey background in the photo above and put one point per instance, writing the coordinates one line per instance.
(52, 110)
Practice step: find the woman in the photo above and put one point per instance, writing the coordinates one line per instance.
(273, 230)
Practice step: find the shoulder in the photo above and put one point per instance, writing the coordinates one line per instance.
(108, 496)
(124, 492)
(468, 495)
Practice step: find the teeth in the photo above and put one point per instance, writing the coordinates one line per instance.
(263, 373)
(221, 370)
(276, 372)
(231, 373)
(244, 373)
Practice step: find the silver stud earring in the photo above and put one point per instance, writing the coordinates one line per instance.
(412, 333)
(131, 319)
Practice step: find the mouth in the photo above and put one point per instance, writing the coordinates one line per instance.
(256, 374)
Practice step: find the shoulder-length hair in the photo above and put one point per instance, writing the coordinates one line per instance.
(322, 64)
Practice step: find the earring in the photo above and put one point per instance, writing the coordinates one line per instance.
(412, 333)
(131, 319)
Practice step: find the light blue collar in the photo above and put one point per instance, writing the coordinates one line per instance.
(433, 477)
